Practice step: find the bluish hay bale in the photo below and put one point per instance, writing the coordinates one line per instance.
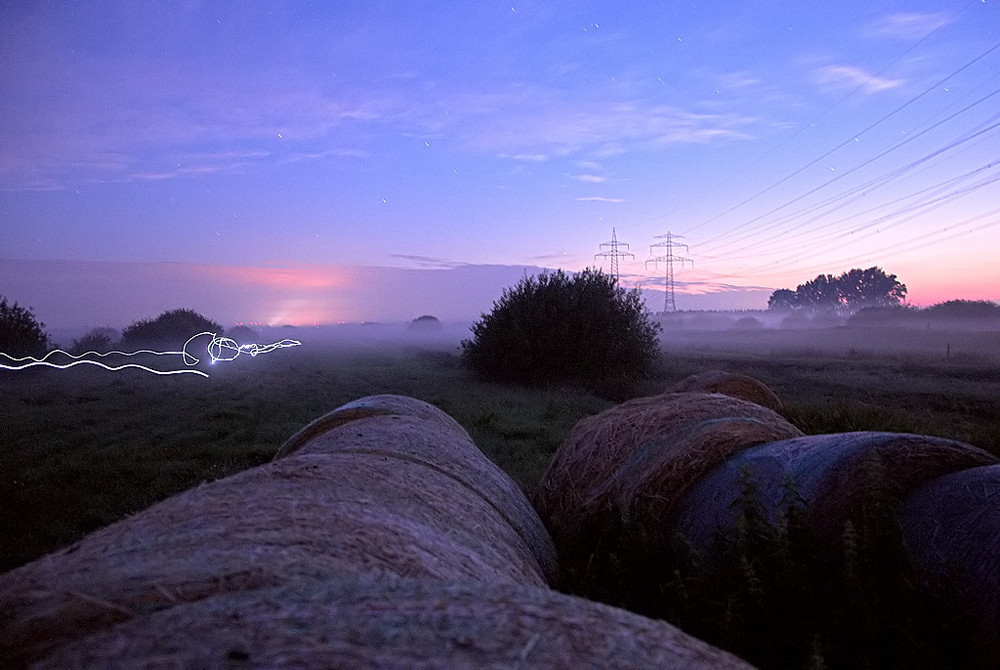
(393, 494)
(386, 623)
(829, 476)
(598, 446)
(951, 528)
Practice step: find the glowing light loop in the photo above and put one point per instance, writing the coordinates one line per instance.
(219, 348)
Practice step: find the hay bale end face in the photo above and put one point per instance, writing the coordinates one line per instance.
(951, 528)
(403, 494)
(618, 474)
(386, 623)
(732, 384)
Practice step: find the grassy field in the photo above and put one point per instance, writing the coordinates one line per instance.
(84, 447)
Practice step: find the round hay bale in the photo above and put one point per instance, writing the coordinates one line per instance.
(380, 623)
(951, 529)
(671, 433)
(731, 384)
(390, 502)
(831, 476)
(362, 408)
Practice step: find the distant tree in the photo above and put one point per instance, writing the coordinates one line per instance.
(424, 324)
(96, 339)
(558, 327)
(851, 291)
(782, 300)
(821, 293)
(170, 329)
(21, 334)
(870, 288)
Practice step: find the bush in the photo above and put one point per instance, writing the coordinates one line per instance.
(243, 335)
(558, 327)
(171, 329)
(101, 340)
(21, 334)
(424, 324)
(964, 309)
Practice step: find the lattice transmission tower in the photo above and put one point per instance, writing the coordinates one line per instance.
(668, 258)
(614, 254)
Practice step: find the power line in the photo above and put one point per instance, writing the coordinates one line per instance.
(839, 146)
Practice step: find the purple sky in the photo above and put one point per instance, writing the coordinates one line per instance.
(240, 155)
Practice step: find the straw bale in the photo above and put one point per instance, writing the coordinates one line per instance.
(384, 623)
(394, 501)
(731, 384)
(832, 474)
(396, 435)
(677, 427)
(951, 528)
(373, 405)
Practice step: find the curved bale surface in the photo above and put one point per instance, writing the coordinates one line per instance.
(640, 457)
(398, 509)
(829, 478)
(369, 406)
(597, 447)
(380, 623)
(407, 429)
(731, 384)
(951, 529)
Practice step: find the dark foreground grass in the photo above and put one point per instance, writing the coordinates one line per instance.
(84, 447)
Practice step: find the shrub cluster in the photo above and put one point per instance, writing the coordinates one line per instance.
(21, 334)
(97, 339)
(171, 328)
(558, 327)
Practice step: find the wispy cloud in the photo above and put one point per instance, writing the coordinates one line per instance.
(597, 198)
(590, 178)
(854, 77)
(430, 262)
(908, 25)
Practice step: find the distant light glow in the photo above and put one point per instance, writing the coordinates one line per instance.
(218, 349)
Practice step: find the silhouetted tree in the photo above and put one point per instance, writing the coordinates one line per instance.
(850, 291)
(170, 329)
(559, 327)
(782, 300)
(870, 288)
(424, 324)
(21, 334)
(820, 293)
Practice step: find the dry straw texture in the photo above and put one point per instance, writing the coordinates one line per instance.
(833, 475)
(951, 527)
(397, 494)
(732, 384)
(386, 623)
(615, 479)
(667, 440)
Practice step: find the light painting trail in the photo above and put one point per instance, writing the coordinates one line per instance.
(218, 349)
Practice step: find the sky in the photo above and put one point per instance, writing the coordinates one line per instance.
(319, 162)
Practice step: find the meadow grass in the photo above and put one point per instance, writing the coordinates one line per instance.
(84, 447)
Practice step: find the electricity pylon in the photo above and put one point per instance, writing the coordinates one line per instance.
(614, 254)
(668, 258)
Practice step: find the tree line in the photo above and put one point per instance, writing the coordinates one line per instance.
(851, 291)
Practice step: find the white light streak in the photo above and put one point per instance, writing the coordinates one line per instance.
(219, 349)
